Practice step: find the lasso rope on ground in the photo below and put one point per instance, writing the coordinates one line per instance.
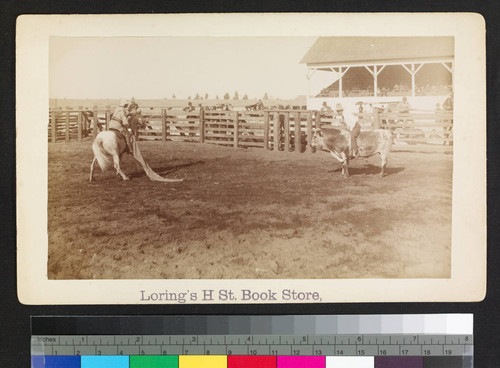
(149, 172)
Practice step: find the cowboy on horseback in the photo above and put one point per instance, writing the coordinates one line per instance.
(132, 107)
(120, 125)
(135, 118)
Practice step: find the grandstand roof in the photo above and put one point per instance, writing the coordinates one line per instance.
(338, 50)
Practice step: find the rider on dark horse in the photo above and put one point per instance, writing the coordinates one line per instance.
(119, 123)
(134, 115)
(133, 106)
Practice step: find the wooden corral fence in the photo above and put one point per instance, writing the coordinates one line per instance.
(413, 128)
(75, 124)
(277, 130)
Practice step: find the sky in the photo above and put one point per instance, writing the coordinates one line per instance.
(158, 67)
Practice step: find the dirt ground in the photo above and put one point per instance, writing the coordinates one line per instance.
(248, 213)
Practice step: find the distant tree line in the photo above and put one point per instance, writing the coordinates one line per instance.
(226, 96)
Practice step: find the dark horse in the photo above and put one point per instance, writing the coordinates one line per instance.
(137, 122)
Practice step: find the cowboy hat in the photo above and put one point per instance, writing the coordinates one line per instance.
(123, 103)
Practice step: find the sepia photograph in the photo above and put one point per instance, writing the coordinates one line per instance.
(249, 191)
(279, 156)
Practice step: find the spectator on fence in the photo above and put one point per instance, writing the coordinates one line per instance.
(340, 113)
(119, 123)
(325, 109)
(448, 103)
(189, 107)
(259, 105)
(404, 106)
(352, 122)
(448, 106)
(339, 109)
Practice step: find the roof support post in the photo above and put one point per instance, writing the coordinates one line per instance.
(375, 74)
(451, 70)
(447, 67)
(341, 74)
(412, 80)
(309, 74)
(452, 77)
(412, 72)
(340, 82)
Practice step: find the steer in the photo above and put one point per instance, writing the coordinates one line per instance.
(337, 142)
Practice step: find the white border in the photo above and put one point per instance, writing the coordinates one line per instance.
(468, 279)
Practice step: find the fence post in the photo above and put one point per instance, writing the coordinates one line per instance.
(376, 118)
(276, 131)
(163, 125)
(298, 133)
(79, 123)
(202, 125)
(67, 124)
(94, 122)
(287, 132)
(309, 131)
(54, 126)
(236, 129)
(266, 130)
(317, 119)
(108, 116)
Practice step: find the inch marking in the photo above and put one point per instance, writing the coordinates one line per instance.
(344, 345)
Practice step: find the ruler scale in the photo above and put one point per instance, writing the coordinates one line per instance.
(374, 341)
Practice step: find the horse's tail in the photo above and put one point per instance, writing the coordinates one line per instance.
(103, 159)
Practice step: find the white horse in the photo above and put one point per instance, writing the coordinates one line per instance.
(108, 148)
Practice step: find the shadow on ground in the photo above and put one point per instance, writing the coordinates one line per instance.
(165, 170)
(370, 170)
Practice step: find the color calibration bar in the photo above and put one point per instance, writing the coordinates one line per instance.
(248, 362)
(390, 341)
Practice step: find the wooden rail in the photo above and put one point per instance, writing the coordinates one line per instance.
(277, 130)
